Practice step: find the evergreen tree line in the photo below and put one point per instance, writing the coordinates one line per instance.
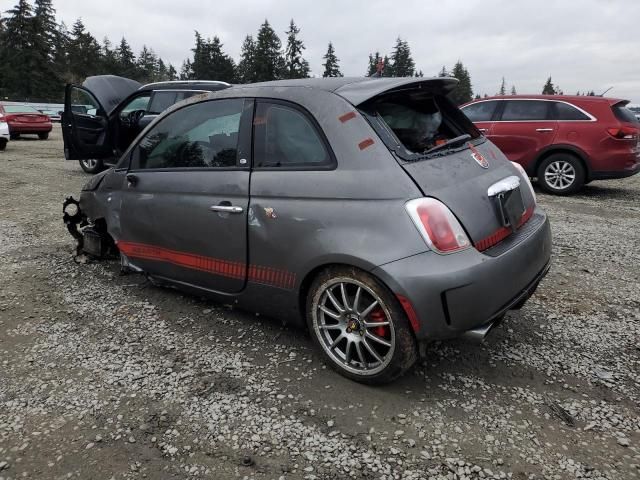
(39, 56)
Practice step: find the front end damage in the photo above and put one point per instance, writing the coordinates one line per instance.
(91, 239)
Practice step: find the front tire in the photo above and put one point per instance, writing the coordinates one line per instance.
(3, 144)
(43, 136)
(359, 326)
(91, 165)
(561, 174)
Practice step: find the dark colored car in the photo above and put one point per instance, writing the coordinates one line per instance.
(25, 120)
(564, 141)
(105, 114)
(370, 210)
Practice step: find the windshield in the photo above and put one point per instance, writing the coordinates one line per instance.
(420, 123)
(19, 109)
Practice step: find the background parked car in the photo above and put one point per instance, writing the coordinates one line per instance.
(4, 134)
(564, 141)
(24, 119)
(103, 116)
(53, 115)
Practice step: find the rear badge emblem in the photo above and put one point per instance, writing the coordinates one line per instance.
(478, 157)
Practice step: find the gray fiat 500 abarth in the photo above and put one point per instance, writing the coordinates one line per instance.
(369, 210)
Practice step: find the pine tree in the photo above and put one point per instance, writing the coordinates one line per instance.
(331, 67)
(210, 62)
(47, 77)
(126, 60)
(109, 57)
(186, 72)
(419, 73)
(548, 88)
(503, 88)
(443, 72)
(147, 65)
(374, 61)
(17, 58)
(246, 71)
(84, 53)
(295, 65)
(172, 74)
(269, 63)
(401, 64)
(513, 90)
(463, 92)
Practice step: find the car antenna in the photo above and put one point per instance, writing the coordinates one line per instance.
(602, 94)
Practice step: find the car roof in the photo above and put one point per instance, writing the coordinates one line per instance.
(357, 90)
(205, 85)
(565, 98)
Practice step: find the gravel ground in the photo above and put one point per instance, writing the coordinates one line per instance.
(105, 376)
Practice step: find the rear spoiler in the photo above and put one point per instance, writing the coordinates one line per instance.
(360, 92)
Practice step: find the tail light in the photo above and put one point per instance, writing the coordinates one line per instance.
(623, 133)
(439, 228)
(527, 180)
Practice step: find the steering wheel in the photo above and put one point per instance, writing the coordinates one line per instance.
(132, 118)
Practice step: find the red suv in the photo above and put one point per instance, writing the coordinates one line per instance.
(564, 141)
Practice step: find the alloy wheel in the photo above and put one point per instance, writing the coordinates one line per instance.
(90, 163)
(354, 326)
(560, 175)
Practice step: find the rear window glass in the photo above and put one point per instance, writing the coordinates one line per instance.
(523, 110)
(284, 137)
(19, 109)
(622, 113)
(421, 121)
(481, 111)
(564, 111)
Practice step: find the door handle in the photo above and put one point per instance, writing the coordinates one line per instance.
(132, 180)
(226, 208)
(544, 129)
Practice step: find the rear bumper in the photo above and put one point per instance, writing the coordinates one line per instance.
(30, 127)
(452, 294)
(624, 173)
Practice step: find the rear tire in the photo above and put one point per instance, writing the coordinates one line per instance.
(3, 144)
(365, 334)
(43, 136)
(561, 174)
(91, 165)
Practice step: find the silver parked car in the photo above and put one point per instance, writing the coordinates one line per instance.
(369, 210)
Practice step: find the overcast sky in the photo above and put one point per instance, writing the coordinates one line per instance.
(583, 44)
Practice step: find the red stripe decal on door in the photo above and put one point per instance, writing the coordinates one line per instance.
(255, 273)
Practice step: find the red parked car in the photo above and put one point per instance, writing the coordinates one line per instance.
(23, 119)
(565, 141)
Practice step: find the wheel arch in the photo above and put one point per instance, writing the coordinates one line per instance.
(566, 149)
(359, 264)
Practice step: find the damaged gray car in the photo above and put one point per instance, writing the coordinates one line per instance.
(368, 210)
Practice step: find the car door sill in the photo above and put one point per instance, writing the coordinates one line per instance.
(186, 285)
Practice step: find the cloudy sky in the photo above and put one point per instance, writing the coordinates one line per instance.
(582, 44)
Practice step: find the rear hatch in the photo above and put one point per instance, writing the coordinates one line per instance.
(448, 158)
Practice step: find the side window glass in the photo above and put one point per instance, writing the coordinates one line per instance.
(564, 111)
(480, 112)
(162, 99)
(285, 137)
(139, 103)
(523, 110)
(83, 102)
(203, 135)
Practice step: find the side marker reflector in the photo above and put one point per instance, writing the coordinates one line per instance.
(365, 143)
(347, 116)
(411, 313)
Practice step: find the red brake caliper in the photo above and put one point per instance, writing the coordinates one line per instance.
(377, 316)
